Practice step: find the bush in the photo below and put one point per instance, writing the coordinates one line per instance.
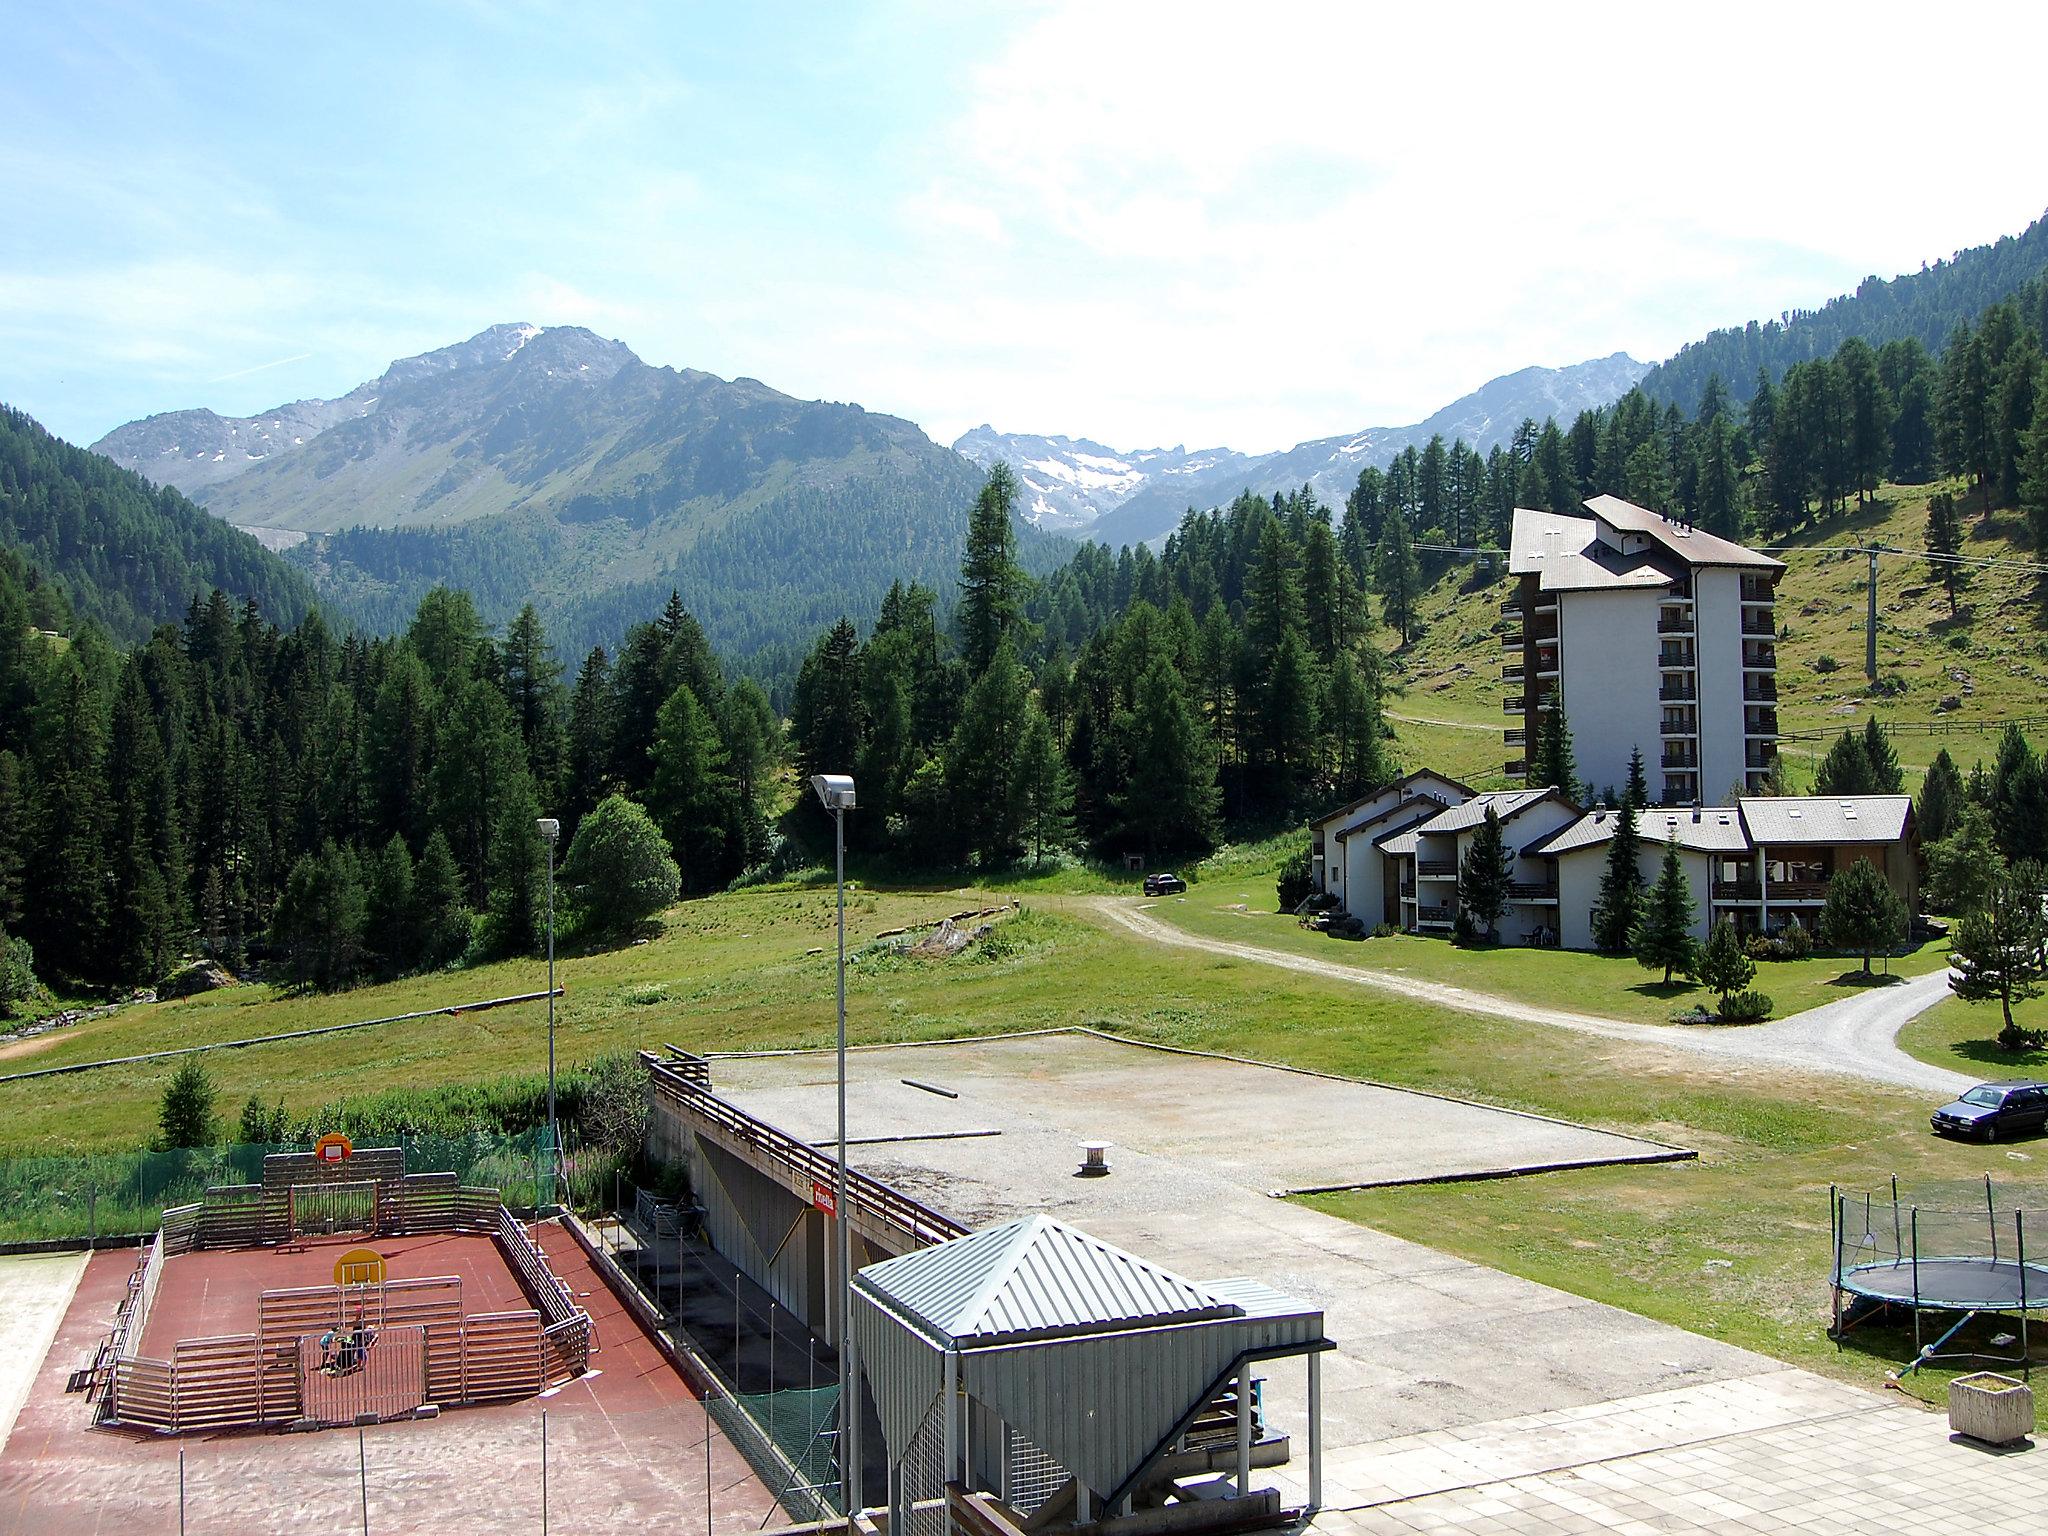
(1385, 930)
(618, 873)
(184, 1117)
(1825, 664)
(1792, 942)
(1297, 880)
(18, 984)
(1750, 1007)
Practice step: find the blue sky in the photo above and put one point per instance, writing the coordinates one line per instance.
(1242, 225)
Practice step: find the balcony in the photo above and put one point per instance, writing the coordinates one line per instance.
(1674, 660)
(1759, 658)
(1514, 736)
(1531, 890)
(1511, 640)
(1516, 769)
(1758, 624)
(1667, 625)
(1513, 674)
(1760, 722)
(1798, 890)
(1546, 663)
(1756, 590)
(1512, 608)
(1437, 869)
(1738, 890)
(1408, 890)
(1678, 725)
(1760, 690)
(1758, 755)
(1677, 690)
(1433, 917)
(1689, 761)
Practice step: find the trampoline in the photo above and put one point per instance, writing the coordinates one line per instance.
(1941, 1252)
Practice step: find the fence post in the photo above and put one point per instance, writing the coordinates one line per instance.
(543, 1472)
(181, 1491)
(363, 1479)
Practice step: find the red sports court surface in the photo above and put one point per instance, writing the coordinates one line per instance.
(626, 1443)
(213, 1291)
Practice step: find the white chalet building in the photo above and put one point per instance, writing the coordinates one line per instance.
(1657, 636)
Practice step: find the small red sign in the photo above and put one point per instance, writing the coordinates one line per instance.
(821, 1197)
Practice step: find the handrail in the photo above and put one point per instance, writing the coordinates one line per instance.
(863, 1192)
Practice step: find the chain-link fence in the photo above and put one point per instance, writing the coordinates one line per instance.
(112, 1194)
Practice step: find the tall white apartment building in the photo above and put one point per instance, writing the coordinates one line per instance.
(1658, 636)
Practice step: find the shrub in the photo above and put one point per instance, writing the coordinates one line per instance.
(618, 873)
(1296, 880)
(1825, 663)
(1750, 1007)
(1385, 930)
(184, 1117)
(1794, 939)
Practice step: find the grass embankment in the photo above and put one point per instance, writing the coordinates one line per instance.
(1964, 1038)
(1612, 986)
(1991, 657)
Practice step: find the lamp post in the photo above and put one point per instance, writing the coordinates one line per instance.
(835, 793)
(550, 833)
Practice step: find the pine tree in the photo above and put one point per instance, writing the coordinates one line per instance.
(1944, 543)
(479, 769)
(1886, 777)
(984, 784)
(1048, 789)
(1637, 793)
(1354, 730)
(1484, 874)
(692, 793)
(2018, 799)
(1398, 575)
(991, 584)
(1723, 967)
(388, 915)
(441, 919)
(184, 1116)
(1290, 700)
(2032, 465)
(826, 722)
(1168, 800)
(533, 690)
(1942, 798)
(1846, 770)
(1963, 865)
(1663, 935)
(516, 918)
(1553, 765)
(1862, 913)
(590, 738)
(2000, 952)
(1619, 904)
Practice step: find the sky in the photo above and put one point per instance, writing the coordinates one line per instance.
(1146, 224)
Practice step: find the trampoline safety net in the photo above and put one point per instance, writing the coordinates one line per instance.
(1938, 1257)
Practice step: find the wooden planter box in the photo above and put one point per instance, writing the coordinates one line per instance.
(1992, 1408)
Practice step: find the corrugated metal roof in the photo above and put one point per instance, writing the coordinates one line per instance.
(1035, 1278)
(1718, 830)
(1781, 820)
(1506, 804)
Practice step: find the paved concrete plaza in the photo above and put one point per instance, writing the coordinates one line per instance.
(35, 1290)
(1459, 1397)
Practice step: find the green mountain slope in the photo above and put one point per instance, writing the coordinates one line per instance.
(127, 553)
(1925, 305)
(552, 465)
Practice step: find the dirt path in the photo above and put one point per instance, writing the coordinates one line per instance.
(1853, 1037)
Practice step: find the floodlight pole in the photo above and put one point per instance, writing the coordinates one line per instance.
(835, 792)
(550, 830)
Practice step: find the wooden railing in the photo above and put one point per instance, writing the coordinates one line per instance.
(1436, 866)
(867, 1195)
(1531, 890)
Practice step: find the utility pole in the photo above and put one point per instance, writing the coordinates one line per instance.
(1870, 624)
(551, 832)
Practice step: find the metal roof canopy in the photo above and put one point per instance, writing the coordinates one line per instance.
(1097, 1356)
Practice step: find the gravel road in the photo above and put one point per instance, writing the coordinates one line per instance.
(1854, 1037)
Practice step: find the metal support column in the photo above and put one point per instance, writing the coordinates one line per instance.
(1315, 1430)
(949, 1439)
(1244, 1431)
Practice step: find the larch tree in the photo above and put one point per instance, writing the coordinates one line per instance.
(991, 584)
(1944, 544)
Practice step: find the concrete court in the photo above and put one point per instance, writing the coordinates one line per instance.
(1425, 1340)
(626, 1451)
(35, 1292)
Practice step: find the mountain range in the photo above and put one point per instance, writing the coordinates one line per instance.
(1080, 487)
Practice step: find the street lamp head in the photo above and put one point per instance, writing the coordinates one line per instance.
(550, 829)
(834, 790)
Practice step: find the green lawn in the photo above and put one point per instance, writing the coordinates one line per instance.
(1608, 985)
(1964, 1038)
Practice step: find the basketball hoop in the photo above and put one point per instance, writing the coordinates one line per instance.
(332, 1148)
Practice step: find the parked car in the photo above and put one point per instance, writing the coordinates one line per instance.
(1992, 1110)
(1165, 885)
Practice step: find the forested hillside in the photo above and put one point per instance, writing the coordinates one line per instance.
(1922, 307)
(128, 554)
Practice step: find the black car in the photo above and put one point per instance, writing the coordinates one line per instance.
(1992, 1110)
(1165, 885)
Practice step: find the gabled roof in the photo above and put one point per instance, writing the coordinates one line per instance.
(1693, 545)
(1417, 808)
(1035, 1278)
(1785, 820)
(1718, 829)
(1507, 804)
(1420, 775)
